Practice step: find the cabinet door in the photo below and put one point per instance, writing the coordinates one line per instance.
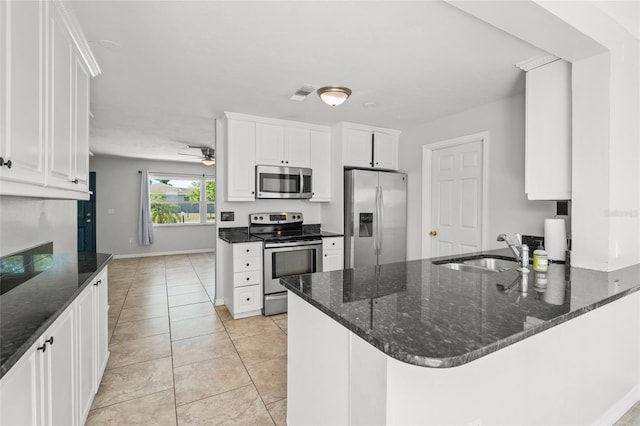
(102, 324)
(61, 166)
(320, 151)
(269, 145)
(19, 391)
(241, 161)
(59, 370)
(22, 95)
(332, 254)
(86, 337)
(81, 125)
(357, 148)
(385, 151)
(548, 132)
(296, 147)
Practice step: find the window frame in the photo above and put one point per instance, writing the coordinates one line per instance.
(202, 204)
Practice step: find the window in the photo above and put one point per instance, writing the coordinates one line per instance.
(182, 199)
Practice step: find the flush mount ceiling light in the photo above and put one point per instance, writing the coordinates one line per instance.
(333, 95)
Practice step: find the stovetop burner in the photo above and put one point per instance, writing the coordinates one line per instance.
(280, 226)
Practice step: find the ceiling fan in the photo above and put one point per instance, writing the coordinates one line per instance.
(207, 156)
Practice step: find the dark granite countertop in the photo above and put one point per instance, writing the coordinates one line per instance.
(433, 316)
(28, 308)
(236, 235)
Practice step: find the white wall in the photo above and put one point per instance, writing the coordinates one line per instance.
(118, 188)
(26, 222)
(509, 209)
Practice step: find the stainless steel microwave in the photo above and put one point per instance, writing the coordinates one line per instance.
(283, 182)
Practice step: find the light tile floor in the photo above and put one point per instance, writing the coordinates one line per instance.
(177, 359)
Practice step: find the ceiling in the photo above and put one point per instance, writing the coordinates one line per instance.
(169, 68)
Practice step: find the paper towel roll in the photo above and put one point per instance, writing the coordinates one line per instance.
(555, 238)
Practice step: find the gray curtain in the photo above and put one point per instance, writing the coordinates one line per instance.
(145, 225)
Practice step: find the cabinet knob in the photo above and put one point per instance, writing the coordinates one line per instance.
(248, 250)
(325, 255)
(49, 340)
(247, 264)
(286, 162)
(248, 278)
(75, 181)
(433, 233)
(43, 348)
(7, 163)
(333, 244)
(97, 283)
(248, 298)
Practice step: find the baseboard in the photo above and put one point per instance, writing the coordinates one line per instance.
(219, 302)
(619, 409)
(163, 253)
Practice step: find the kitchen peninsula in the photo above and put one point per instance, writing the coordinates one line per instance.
(419, 343)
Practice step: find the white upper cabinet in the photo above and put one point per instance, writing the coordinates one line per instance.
(241, 162)
(385, 151)
(252, 141)
(369, 147)
(297, 147)
(22, 92)
(278, 145)
(44, 101)
(321, 165)
(357, 145)
(548, 132)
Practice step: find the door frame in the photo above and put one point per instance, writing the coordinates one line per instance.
(427, 155)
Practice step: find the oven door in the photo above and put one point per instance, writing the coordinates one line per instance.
(289, 258)
(283, 182)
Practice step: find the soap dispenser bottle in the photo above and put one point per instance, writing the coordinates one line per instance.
(540, 260)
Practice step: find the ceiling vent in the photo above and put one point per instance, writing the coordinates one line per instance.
(304, 91)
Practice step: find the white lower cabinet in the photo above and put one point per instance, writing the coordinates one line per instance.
(242, 275)
(56, 379)
(332, 254)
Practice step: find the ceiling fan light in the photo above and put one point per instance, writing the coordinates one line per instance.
(208, 161)
(334, 95)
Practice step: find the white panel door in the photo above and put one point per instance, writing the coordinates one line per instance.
(241, 160)
(81, 125)
(59, 370)
(320, 152)
(296, 147)
(61, 167)
(22, 96)
(269, 145)
(20, 402)
(456, 199)
(357, 148)
(86, 350)
(385, 151)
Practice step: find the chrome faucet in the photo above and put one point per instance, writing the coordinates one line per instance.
(521, 252)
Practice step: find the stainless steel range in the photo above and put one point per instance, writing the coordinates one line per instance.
(288, 250)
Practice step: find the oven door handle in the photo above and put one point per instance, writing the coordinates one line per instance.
(293, 244)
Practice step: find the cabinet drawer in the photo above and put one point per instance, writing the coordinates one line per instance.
(333, 243)
(247, 298)
(247, 264)
(241, 279)
(247, 250)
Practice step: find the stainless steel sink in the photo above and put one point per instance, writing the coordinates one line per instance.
(481, 265)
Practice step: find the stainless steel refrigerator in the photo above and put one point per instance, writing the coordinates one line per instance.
(375, 217)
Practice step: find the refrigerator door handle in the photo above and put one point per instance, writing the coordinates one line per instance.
(375, 225)
(381, 220)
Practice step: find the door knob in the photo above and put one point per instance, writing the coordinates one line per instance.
(433, 233)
